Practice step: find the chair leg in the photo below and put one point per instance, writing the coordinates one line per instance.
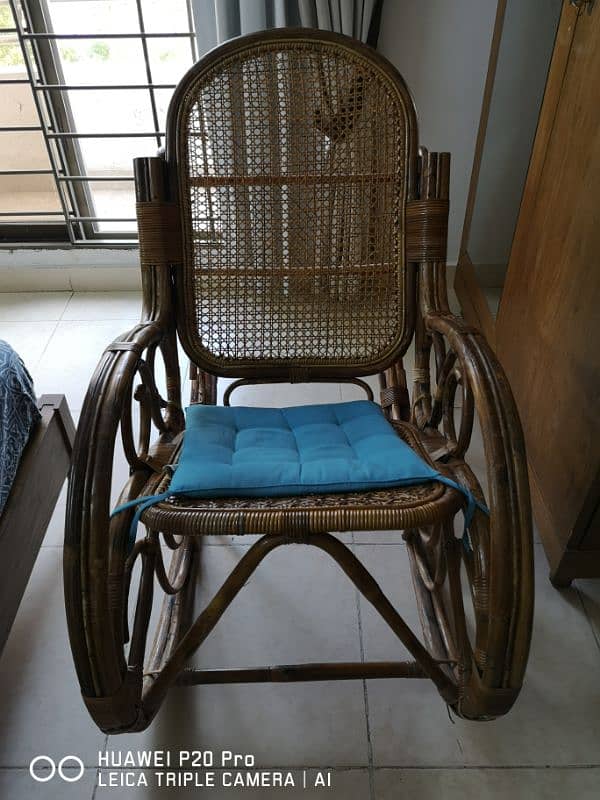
(169, 668)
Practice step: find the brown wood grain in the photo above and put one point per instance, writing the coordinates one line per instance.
(42, 471)
(548, 323)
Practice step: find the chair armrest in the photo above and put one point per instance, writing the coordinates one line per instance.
(91, 538)
(502, 561)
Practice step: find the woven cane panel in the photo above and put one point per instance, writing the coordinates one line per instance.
(293, 156)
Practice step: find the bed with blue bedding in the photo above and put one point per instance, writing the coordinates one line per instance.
(19, 414)
(36, 440)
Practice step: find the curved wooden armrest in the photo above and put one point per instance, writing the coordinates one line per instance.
(95, 546)
(502, 562)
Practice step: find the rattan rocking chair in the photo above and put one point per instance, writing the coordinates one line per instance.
(293, 231)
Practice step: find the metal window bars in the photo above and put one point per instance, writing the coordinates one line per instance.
(80, 222)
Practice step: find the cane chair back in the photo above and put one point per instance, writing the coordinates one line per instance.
(295, 155)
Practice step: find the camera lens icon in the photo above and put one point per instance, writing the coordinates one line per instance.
(43, 768)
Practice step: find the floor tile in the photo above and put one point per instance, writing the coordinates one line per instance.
(298, 606)
(42, 711)
(29, 339)
(347, 784)
(377, 537)
(72, 355)
(409, 724)
(17, 784)
(408, 720)
(32, 306)
(561, 695)
(104, 305)
(488, 784)
(55, 532)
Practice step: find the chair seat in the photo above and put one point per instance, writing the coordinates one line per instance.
(245, 451)
(390, 508)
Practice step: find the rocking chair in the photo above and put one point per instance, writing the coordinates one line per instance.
(293, 231)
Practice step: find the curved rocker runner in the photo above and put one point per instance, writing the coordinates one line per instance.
(294, 231)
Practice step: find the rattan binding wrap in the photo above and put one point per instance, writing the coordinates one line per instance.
(426, 230)
(295, 162)
(159, 226)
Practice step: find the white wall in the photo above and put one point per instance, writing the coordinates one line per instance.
(442, 49)
(524, 56)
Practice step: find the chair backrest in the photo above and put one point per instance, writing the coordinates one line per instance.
(295, 153)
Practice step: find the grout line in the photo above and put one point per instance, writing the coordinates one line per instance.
(485, 767)
(365, 698)
(68, 303)
(360, 767)
(97, 781)
(364, 543)
(43, 353)
(88, 320)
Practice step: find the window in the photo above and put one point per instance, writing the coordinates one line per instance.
(85, 87)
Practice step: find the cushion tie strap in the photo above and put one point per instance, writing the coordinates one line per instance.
(140, 504)
(469, 511)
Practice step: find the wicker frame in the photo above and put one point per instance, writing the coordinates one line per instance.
(478, 673)
(402, 169)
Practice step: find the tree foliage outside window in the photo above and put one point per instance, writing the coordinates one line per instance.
(10, 52)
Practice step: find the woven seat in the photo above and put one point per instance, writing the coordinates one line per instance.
(396, 508)
(384, 509)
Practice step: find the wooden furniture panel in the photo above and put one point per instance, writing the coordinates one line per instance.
(42, 471)
(547, 326)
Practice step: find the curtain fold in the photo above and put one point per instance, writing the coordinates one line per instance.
(219, 20)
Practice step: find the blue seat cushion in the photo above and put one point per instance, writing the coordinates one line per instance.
(253, 452)
(269, 452)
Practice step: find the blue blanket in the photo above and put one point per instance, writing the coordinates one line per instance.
(18, 415)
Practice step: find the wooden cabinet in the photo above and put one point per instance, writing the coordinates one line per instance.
(547, 331)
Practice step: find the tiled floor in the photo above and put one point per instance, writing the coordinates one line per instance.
(382, 740)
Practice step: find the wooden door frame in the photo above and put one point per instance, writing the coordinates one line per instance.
(470, 296)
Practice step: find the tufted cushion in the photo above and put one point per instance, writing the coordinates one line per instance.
(337, 447)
